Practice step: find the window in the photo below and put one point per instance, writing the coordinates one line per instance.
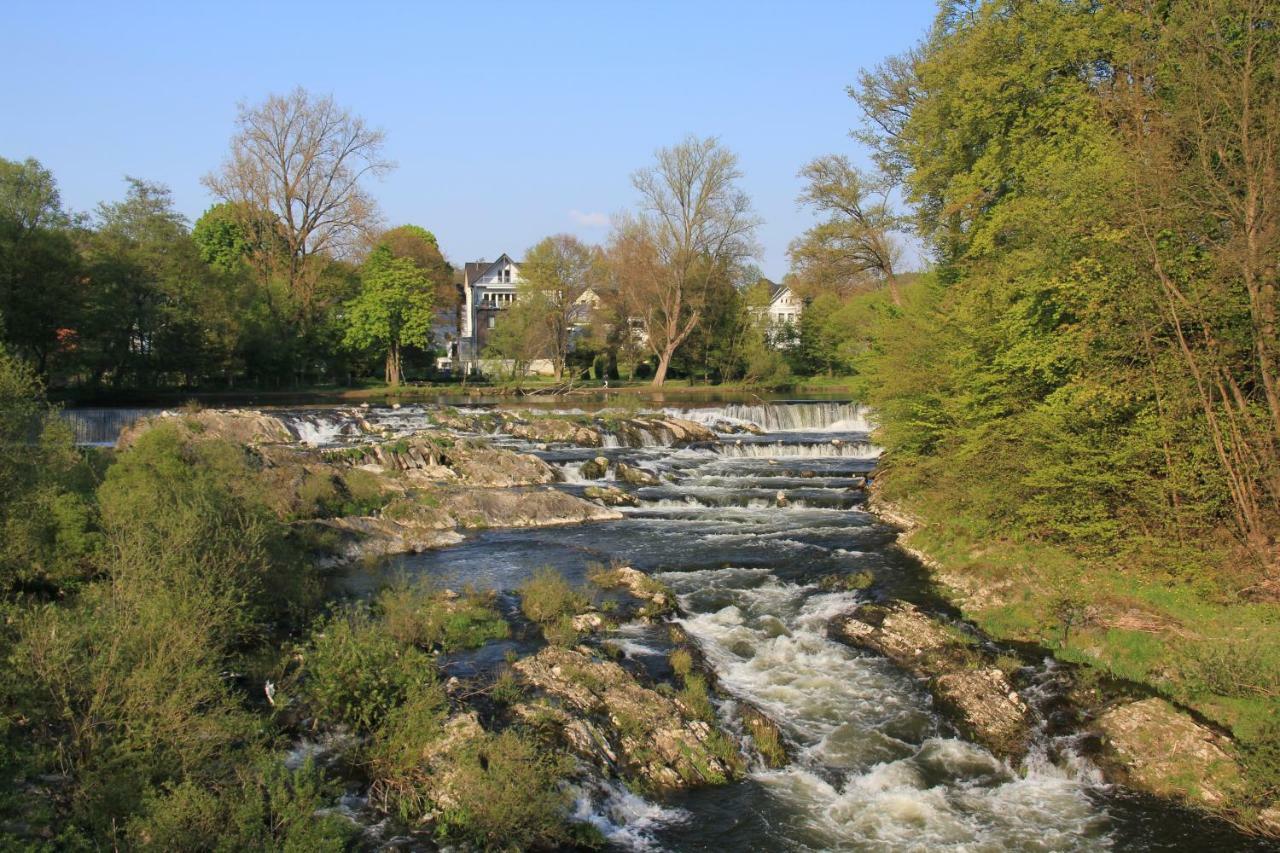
(491, 319)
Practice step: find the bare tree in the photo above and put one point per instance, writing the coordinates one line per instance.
(556, 275)
(855, 244)
(302, 159)
(694, 223)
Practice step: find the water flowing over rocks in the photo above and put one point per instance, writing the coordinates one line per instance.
(983, 701)
(741, 530)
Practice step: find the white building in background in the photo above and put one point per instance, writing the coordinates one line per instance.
(782, 315)
(489, 288)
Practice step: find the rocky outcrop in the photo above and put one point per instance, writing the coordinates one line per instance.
(649, 736)
(241, 426)
(609, 496)
(558, 431)
(982, 701)
(644, 430)
(1155, 747)
(634, 475)
(441, 458)
(414, 523)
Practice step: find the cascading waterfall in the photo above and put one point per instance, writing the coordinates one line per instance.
(101, 427)
(797, 450)
(746, 531)
(785, 417)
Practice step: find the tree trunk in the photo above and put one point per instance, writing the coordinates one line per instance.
(664, 361)
(393, 366)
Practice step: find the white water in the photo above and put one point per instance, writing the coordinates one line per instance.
(875, 769)
(800, 450)
(785, 417)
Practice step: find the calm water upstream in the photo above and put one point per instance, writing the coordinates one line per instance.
(874, 767)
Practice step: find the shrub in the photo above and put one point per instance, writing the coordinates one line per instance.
(420, 615)
(503, 791)
(266, 807)
(681, 662)
(355, 672)
(561, 632)
(399, 746)
(547, 596)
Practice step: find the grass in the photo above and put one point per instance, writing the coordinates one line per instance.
(547, 598)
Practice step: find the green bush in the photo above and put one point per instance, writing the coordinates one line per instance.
(355, 673)
(420, 615)
(266, 807)
(396, 754)
(504, 791)
(547, 596)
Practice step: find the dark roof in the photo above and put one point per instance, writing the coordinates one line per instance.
(475, 269)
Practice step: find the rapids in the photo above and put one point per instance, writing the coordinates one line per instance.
(874, 766)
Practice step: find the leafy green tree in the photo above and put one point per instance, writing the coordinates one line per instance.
(40, 295)
(393, 310)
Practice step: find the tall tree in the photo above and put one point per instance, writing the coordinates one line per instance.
(855, 244)
(694, 224)
(393, 309)
(40, 296)
(305, 160)
(556, 275)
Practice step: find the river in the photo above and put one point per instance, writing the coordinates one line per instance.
(874, 766)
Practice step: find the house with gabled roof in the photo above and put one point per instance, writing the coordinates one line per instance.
(488, 287)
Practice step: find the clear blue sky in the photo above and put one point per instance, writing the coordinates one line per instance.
(509, 121)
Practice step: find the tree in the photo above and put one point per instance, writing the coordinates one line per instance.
(694, 224)
(555, 276)
(393, 309)
(420, 246)
(304, 160)
(40, 298)
(29, 195)
(519, 337)
(855, 244)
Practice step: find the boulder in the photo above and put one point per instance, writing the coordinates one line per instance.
(1158, 748)
(594, 469)
(635, 476)
(655, 742)
(979, 697)
(609, 496)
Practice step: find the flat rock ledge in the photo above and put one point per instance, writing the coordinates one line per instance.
(981, 700)
(436, 525)
(608, 718)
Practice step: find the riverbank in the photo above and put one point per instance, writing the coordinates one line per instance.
(1206, 734)
(454, 391)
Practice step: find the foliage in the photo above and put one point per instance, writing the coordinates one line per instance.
(266, 807)
(46, 514)
(423, 616)
(393, 310)
(356, 673)
(505, 791)
(547, 597)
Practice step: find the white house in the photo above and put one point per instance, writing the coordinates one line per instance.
(782, 315)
